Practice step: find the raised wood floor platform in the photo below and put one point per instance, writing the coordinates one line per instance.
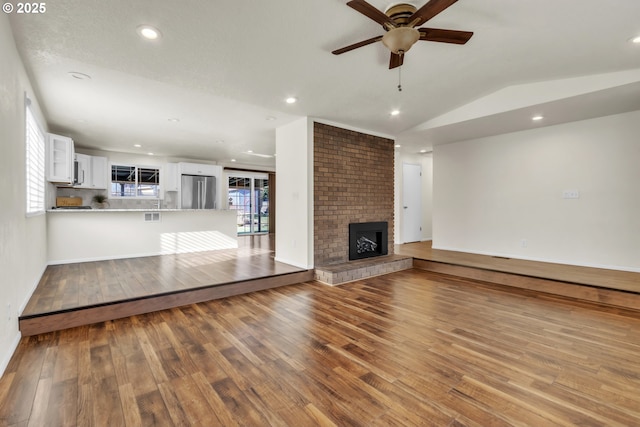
(79, 294)
(611, 287)
(85, 315)
(84, 293)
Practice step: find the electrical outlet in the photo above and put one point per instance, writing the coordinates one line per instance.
(570, 194)
(524, 243)
(9, 312)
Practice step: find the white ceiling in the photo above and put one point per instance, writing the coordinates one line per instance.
(223, 67)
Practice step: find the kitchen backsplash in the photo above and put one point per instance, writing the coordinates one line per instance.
(169, 201)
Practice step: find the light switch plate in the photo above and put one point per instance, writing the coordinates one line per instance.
(570, 194)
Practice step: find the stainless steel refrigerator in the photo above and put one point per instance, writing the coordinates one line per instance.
(198, 192)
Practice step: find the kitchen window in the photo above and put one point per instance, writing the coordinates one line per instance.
(34, 146)
(135, 181)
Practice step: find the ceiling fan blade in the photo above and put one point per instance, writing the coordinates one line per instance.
(428, 11)
(445, 36)
(357, 45)
(395, 60)
(371, 12)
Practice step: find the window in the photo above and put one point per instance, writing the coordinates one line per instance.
(34, 163)
(249, 197)
(135, 181)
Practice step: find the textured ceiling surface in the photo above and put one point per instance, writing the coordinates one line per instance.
(224, 68)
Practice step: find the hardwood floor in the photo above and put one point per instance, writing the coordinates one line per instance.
(80, 294)
(405, 349)
(69, 286)
(597, 277)
(612, 287)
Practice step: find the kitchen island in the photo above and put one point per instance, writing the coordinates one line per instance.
(78, 235)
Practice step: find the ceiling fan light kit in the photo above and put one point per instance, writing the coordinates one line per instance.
(399, 22)
(399, 40)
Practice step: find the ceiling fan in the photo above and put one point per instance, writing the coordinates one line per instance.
(399, 22)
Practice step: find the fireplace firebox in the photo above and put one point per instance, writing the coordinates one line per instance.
(367, 239)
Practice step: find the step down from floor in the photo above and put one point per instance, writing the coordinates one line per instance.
(64, 319)
(577, 291)
(337, 274)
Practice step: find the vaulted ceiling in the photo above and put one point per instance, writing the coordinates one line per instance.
(213, 85)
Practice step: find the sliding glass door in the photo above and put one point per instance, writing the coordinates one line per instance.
(249, 197)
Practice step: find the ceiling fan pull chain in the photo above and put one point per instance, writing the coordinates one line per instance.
(400, 78)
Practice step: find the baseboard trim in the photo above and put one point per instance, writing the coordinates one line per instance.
(293, 263)
(536, 259)
(9, 354)
(103, 258)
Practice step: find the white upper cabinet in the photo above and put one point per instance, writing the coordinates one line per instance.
(92, 172)
(199, 169)
(98, 172)
(171, 177)
(59, 159)
(84, 171)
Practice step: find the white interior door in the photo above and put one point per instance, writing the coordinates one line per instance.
(411, 203)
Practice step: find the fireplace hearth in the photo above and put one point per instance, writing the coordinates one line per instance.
(367, 239)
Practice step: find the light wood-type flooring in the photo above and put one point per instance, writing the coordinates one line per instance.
(626, 281)
(405, 349)
(83, 293)
(69, 286)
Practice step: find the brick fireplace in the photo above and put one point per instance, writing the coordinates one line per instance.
(353, 183)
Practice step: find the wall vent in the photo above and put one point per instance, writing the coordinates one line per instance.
(152, 217)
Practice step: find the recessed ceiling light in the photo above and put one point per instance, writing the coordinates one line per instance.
(291, 100)
(537, 118)
(79, 76)
(137, 145)
(423, 151)
(395, 112)
(151, 154)
(174, 120)
(398, 145)
(148, 32)
(636, 40)
(249, 151)
(233, 160)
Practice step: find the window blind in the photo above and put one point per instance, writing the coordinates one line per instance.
(34, 164)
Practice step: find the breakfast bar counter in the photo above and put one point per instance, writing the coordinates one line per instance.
(77, 235)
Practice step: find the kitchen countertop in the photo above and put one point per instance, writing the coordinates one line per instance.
(130, 210)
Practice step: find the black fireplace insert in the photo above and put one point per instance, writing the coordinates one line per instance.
(368, 239)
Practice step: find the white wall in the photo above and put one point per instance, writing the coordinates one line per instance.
(503, 195)
(23, 249)
(110, 234)
(294, 193)
(426, 163)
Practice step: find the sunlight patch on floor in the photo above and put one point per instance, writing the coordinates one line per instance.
(195, 241)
